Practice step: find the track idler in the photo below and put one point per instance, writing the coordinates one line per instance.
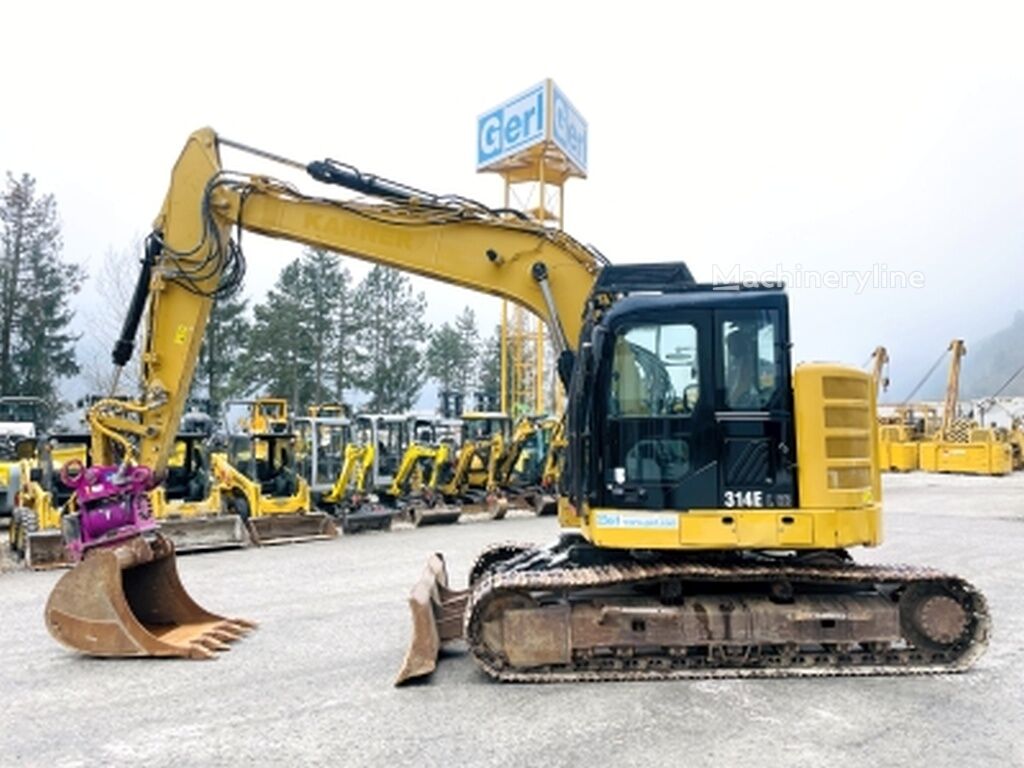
(128, 601)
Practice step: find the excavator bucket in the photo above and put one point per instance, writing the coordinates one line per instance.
(198, 534)
(437, 613)
(291, 527)
(128, 601)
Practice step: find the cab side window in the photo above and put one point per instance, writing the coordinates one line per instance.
(750, 359)
(655, 371)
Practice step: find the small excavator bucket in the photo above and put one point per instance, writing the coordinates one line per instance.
(45, 550)
(291, 527)
(437, 614)
(129, 601)
(198, 534)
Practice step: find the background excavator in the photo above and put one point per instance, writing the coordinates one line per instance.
(710, 490)
(257, 479)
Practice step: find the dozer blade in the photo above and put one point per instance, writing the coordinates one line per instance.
(129, 601)
(437, 613)
(439, 514)
(289, 528)
(368, 517)
(196, 534)
(545, 504)
(45, 550)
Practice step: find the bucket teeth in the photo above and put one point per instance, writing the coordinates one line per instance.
(199, 651)
(214, 644)
(226, 635)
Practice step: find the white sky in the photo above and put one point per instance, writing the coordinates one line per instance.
(818, 136)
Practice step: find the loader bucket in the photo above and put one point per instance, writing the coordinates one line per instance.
(291, 527)
(197, 534)
(128, 601)
(437, 614)
(45, 549)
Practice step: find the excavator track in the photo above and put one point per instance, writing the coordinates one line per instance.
(540, 617)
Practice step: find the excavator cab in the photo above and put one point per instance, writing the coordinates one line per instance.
(683, 400)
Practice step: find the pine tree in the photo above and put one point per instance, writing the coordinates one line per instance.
(298, 348)
(36, 346)
(444, 358)
(469, 343)
(489, 382)
(226, 337)
(389, 361)
(453, 355)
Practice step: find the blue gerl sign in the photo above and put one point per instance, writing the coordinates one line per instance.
(569, 129)
(517, 124)
(539, 114)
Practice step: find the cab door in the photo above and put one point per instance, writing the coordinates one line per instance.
(657, 417)
(753, 408)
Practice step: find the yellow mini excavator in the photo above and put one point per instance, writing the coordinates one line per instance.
(710, 494)
(337, 471)
(257, 478)
(405, 466)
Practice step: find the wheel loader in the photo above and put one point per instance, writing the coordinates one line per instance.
(20, 420)
(711, 493)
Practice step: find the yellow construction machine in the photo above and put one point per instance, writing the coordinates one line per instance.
(257, 478)
(336, 469)
(20, 419)
(405, 466)
(529, 469)
(43, 498)
(189, 504)
(897, 438)
(961, 446)
(711, 490)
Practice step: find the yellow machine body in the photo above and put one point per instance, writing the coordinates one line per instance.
(839, 486)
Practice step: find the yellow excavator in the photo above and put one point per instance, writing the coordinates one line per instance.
(404, 467)
(710, 492)
(528, 469)
(962, 446)
(257, 478)
(337, 469)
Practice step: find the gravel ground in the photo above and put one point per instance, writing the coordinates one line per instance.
(313, 684)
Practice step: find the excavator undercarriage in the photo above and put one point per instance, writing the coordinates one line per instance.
(573, 612)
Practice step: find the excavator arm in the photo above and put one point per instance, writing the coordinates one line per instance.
(191, 260)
